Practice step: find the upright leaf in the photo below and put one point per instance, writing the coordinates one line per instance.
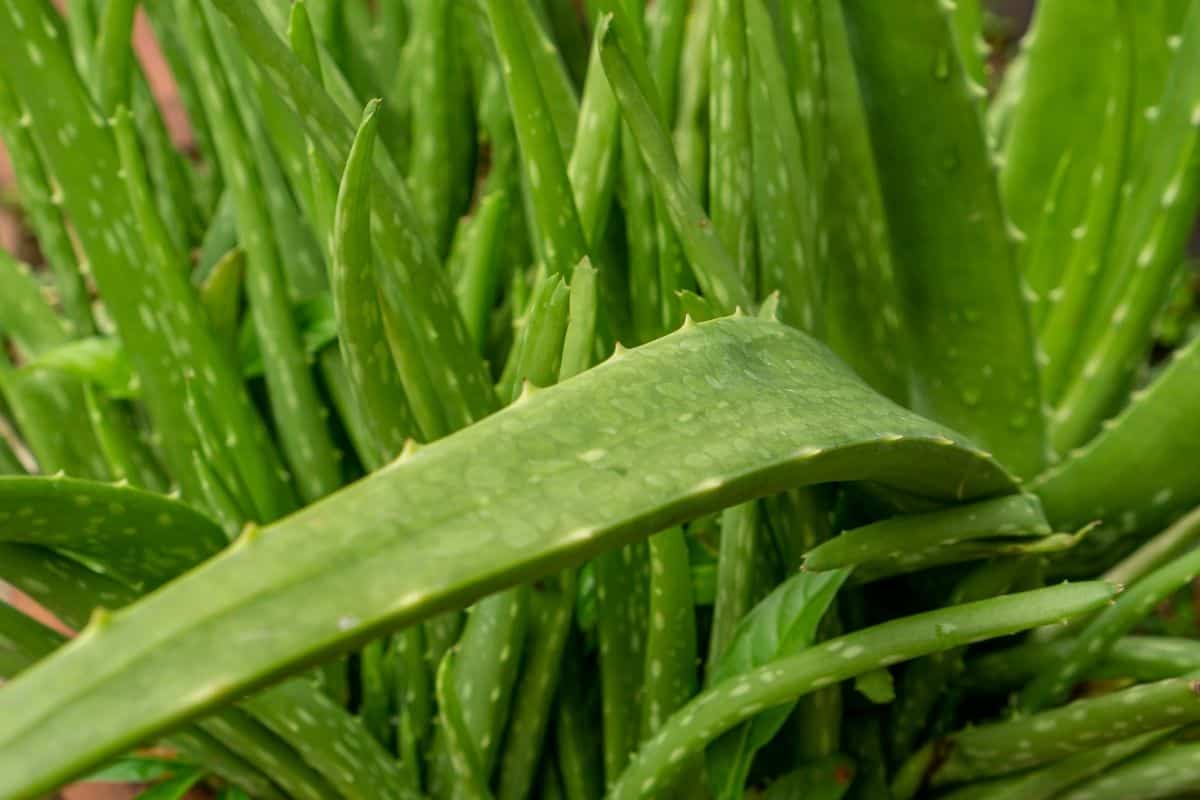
(966, 314)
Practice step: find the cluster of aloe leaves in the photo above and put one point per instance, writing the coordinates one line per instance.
(326, 441)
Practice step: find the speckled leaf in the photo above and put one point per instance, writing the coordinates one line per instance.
(966, 316)
(1128, 477)
(791, 415)
(143, 537)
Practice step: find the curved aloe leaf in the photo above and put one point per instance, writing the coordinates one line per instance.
(786, 679)
(1169, 770)
(967, 318)
(787, 413)
(143, 537)
(1023, 742)
(1128, 476)
(1017, 517)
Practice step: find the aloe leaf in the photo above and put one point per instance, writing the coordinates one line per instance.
(1015, 516)
(297, 409)
(408, 258)
(114, 52)
(23, 641)
(785, 399)
(438, 166)
(591, 167)
(968, 321)
(561, 237)
(1143, 253)
(374, 381)
(479, 281)
(671, 649)
(552, 605)
(1169, 770)
(690, 135)
(788, 678)
(1002, 747)
(924, 681)
(865, 310)
(154, 309)
(1173, 543)
(967, 24)
(715, 270)
(98, 360)
(487, 658)
(1140, 658)
(622, 578)
(783, 624)
(1061, 261)
(577, 744)
(37, 199)
(738, 559)
(470, 778)
(582, 310)
(1095, 640)
(785, 212)
(221, 294)
(730, 158)
(1053, 780)
(1127, 476)
(335, 744)
(144, 537)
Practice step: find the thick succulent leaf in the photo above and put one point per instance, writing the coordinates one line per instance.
(1128, 477)
(772, 408)
(786, 679)
(864, 314)
(143, 537)
(1171, 769)
(1025, 741)
(1019, 516)
(1144, 255)
(22, 641)
(155, 311)
(784, 623)
(968, 326)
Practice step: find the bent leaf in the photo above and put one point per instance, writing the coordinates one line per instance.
(767, 409)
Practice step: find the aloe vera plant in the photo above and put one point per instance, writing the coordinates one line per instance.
(545, 399)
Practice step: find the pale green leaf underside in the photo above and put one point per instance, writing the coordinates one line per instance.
(708, 417)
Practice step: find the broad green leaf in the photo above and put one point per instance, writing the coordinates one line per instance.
(783, 624)
(138, 769)
(773, 408)
(967, 325)
(173, 788)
